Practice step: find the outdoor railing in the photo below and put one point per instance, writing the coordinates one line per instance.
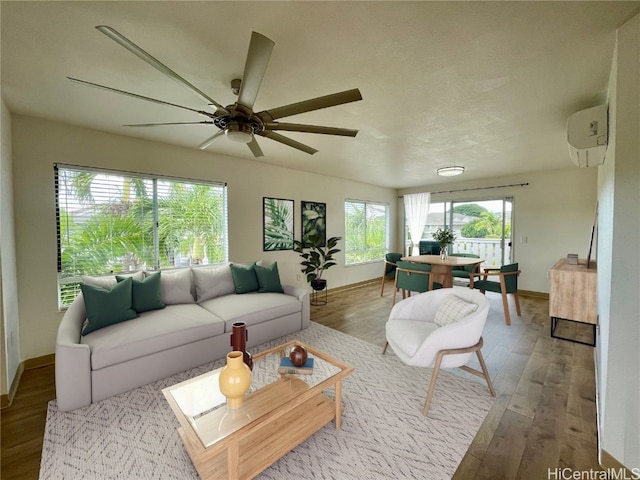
(486, 248)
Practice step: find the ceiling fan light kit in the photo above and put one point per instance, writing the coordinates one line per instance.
(239, 133)
(238, 122)
(450, 171)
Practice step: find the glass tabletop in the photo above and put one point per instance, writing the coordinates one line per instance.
(199, 403)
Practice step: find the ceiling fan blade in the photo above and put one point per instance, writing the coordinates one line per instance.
(255, 148)
(287, 141)
(310, 105)
(210, 140)
(255, 67)
(139, 97)
(296, 127)
(166, 123)
(155, 63)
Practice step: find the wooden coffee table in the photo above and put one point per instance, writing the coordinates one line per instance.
(279, 413)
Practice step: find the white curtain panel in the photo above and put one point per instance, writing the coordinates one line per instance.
(416, 207)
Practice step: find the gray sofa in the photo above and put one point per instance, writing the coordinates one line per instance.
(194, 328)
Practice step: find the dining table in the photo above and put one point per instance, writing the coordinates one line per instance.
(441, 267)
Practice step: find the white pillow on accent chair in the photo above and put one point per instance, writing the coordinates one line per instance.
(452, 310)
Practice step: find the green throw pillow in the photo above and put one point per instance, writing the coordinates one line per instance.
(268, 278)
(107, 306)
(145, 293)
(244, 278)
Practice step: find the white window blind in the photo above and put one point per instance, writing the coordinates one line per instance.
(366, 227)
(114, 222)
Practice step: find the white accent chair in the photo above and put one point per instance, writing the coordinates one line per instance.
(418, 341)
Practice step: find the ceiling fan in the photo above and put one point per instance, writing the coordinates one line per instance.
(238, 122)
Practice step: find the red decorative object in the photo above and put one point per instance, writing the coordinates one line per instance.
(239, 337)
(298, 355)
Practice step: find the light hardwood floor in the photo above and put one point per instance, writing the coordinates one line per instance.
(543, 416)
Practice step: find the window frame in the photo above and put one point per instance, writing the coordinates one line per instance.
(365, 252)
(162, 183)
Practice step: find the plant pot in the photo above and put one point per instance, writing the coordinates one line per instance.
(443, 253)
(319, 284)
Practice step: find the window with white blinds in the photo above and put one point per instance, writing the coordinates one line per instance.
(366, 227)
(114, 222)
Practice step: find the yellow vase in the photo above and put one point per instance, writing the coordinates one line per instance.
(235, 379)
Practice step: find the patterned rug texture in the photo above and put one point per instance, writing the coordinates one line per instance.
(383, 435)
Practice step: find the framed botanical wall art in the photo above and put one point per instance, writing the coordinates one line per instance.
(314, 221)
(277, 224)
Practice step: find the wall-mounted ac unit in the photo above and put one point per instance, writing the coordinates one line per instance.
(587, 134)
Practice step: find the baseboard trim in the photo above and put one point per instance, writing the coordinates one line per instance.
(531, 293)
(7, 399)
(31, 363)
(524, 293)
(37, 362)
(351, 286)
(610, 463)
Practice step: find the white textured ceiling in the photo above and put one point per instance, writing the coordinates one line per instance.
(486, 85)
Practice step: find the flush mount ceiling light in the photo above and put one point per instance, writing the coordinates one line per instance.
(450, 171)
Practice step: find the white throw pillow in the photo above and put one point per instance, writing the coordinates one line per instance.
(453, 309)
(108, 281)
(212, 282)
(175, 287)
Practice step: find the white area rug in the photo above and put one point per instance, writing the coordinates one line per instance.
(383, 436)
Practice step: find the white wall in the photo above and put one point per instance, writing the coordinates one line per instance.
(555, 212)
(38, 144)
(617, 352)
(8, 284)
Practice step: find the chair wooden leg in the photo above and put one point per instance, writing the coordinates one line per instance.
(505, 305)
(386, 344)
(382, 288)
(517, 300)
(432, 384)
(454, 351)
(485, 372)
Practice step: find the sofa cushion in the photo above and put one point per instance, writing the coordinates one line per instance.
(107, 306)
(452, 310)
(212, 282)
(145, 293)
(175, 287)
(152, 332)
(244, 278)
(252, 308)
(268, 278)
(107, 281)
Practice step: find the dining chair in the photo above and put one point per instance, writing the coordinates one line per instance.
(463, 271)
(413, 277)
(506, 284)
(390, 262)
(440, 329)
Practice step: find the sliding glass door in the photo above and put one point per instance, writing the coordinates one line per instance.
(482, 227)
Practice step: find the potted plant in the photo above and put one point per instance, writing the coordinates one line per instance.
(444, 238)
(317, 259)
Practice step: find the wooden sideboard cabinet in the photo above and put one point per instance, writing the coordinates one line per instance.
(572, 295)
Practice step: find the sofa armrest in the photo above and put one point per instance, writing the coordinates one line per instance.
(301, 294)
(73, 360)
